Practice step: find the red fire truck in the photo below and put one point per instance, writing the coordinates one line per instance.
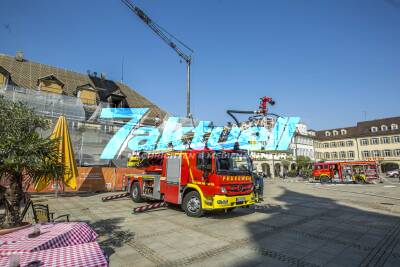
(346, 171)
(198, 180)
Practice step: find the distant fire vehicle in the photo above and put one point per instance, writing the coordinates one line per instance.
(346, 171)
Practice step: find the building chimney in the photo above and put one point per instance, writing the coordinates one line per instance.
(19, 56)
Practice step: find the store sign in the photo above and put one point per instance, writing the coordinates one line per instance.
(374, 158)
(148, 138)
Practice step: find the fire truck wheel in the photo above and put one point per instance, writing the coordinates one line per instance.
(192, 204)
(135, 193)
(359, 180)
(323, 179)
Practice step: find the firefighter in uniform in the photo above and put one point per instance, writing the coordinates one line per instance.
(258, 182)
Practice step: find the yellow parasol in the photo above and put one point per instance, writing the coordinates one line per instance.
(66, 153)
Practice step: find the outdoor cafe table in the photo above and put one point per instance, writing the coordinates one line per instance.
(88, 254)
(52, 235)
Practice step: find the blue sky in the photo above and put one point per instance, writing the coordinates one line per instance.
(328, 62)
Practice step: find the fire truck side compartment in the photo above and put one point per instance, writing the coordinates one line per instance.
(173, 177)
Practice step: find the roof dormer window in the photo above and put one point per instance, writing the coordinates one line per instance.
(327, 133)
(374, 129)
(50, 84)
(4, 77)
(343, 131)
(335, 132)
(394, 126)
(384, 128)
(87, 94)
(117, 99)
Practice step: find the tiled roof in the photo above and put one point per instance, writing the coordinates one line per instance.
(363, 129)
(27, 73)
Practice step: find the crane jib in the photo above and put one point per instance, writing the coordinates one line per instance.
(166, 37)
(142, 15)
(162, 33)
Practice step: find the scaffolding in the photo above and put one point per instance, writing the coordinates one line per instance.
(89, 135)
(47, 104)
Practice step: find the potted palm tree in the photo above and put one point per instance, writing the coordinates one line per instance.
(25, 156)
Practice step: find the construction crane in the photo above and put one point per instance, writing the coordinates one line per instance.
(167, 38)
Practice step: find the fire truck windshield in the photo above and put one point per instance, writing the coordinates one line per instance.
(233, 163)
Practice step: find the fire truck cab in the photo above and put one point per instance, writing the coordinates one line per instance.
(198, 180)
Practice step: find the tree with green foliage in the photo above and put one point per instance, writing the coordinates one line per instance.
(303, 162)
(304, 165)
(285, 164)
(25, 156)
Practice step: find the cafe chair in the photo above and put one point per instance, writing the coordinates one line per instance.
(25, 210)
(42, 214)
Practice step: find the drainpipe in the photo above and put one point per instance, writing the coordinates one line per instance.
(358, 150)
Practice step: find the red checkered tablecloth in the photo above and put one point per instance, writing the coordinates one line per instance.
(88, 254)
(53, 235)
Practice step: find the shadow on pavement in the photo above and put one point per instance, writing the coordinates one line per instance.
(307, 230)
(112, 234)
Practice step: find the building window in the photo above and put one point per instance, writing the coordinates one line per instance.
(326, 145)
(343, 131)
(327, 133)
(335, 132)
(387, 153)
(394, 126)
(397, 152)
(334, 155)
(342, 154)
(366, 154)
(374, 129)
(349, 143)
(333, 144)
(385, 140)
(351, 154)
(384, 128)
(327, 155)
(364, 142)
(396, 139)
(376, 153)
(341, 144)
(374, 141)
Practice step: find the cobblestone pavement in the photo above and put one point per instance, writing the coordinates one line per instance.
(299, 223)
